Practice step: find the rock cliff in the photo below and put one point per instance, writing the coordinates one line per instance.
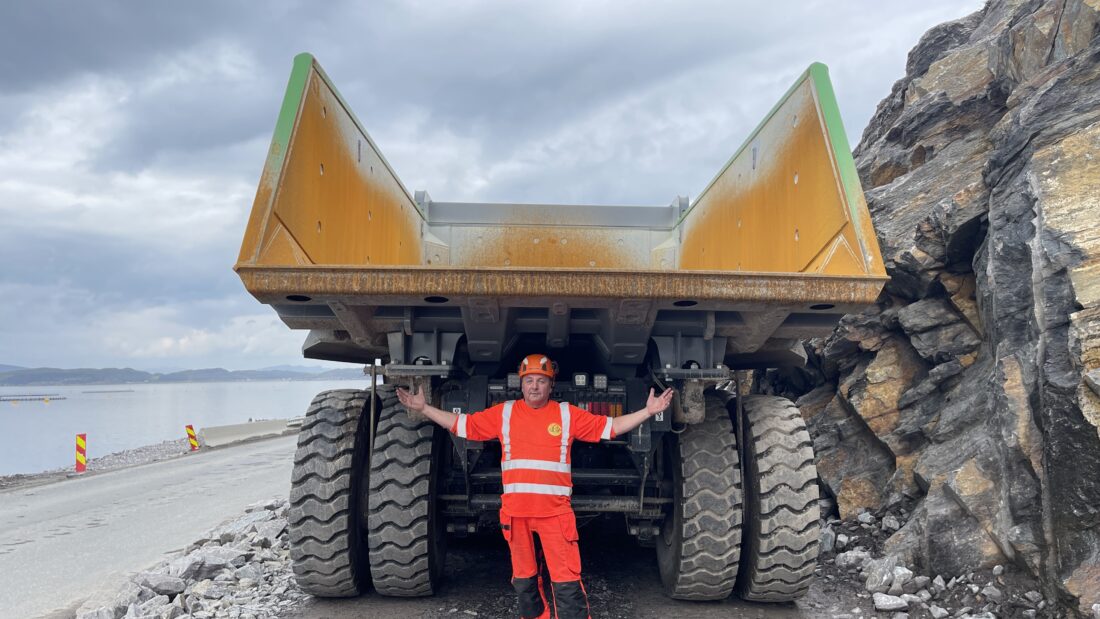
(971, 392)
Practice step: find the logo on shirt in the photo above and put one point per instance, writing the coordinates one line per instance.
(554, 429)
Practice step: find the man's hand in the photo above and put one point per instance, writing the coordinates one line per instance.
(417, 403)
(413, 401)
(657, 403)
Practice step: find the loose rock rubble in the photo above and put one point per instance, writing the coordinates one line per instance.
(140, 455)
(110, 462)
(854, 549)
(239, 570)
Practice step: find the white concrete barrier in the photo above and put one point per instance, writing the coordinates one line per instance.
(216, 436)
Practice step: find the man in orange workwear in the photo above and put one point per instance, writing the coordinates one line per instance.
(535, 434)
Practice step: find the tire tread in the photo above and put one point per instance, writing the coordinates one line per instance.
(325, 559)
(782, 514)
(710, 546)
(398, 516)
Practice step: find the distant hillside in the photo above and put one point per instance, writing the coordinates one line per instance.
(208, 375)
(10, 368)
(341, 374)
(302, 369)
(82, 376)
(114, 376)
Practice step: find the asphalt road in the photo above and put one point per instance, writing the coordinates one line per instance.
(61, 543)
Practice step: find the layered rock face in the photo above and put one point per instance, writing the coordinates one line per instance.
(973, 387)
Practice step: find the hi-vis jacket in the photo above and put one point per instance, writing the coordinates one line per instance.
(535, 443)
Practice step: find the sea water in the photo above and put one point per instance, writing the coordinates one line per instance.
(40, 434)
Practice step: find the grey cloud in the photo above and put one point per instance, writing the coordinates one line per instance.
(50, 41)
(509, 77)
(193, 120)
(117, 272)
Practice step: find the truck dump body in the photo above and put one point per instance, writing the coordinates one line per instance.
(776, 248)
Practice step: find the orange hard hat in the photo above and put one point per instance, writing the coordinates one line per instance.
(537, 364)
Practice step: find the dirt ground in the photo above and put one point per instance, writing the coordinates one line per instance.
(621, 579)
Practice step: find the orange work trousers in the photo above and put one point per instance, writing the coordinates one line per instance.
(561, 552)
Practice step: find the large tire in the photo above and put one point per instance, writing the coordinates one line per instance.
(699, 545)
(781, 513)
(404, 527)
(327, 549)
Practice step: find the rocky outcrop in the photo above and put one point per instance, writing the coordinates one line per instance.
(972, 387)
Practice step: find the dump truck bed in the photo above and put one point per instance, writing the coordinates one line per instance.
(777, 247)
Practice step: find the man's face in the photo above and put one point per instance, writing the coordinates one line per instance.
(536, 389)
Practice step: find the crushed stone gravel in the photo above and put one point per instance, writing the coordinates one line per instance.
(256, 581)
(110, 462)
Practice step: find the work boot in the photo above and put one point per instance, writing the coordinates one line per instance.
(570, 600)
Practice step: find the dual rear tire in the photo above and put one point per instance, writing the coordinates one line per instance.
(360, 516)
(759, 536)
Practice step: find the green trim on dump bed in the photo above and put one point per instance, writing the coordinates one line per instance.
(288, 113)
(838, 139)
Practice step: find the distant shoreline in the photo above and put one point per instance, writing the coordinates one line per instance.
(54, 377)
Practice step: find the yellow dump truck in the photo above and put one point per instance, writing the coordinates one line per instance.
(450, 296)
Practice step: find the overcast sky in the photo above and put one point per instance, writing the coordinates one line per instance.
(132, 134)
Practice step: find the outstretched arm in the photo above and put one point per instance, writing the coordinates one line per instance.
(417, 403)
(654, 405)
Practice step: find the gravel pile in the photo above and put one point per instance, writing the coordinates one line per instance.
(109, 462)
(140, 455)
(239, 570)
(852, 550)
